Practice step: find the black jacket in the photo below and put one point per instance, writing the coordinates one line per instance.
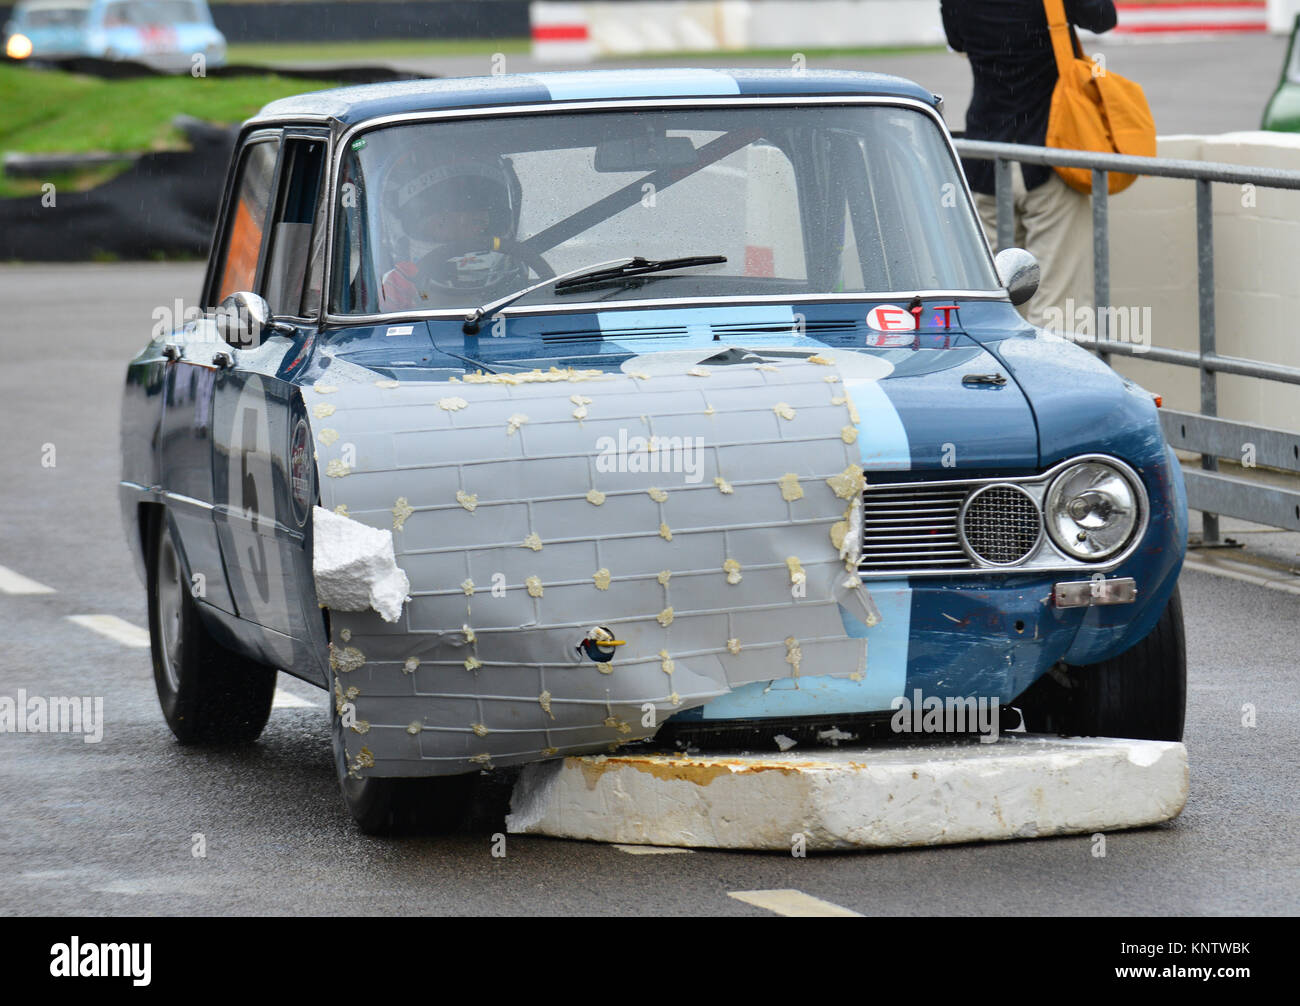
(1010, 51)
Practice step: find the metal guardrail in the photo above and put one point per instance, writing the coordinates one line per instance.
(1208, 490)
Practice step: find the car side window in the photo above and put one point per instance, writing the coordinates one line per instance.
(246, 219)
(294, 259)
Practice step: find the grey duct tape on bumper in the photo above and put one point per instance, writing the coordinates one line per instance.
(492, 484)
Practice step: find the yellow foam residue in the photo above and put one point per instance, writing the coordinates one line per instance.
(732, 568)
(534, 585)
(791, 490)
(723, 485)
(534, 542)
(328, 436)
(347, 659)
(658, 495)
(601, 578)
(595, 497)
(793, 654)
(665, 617)
(849, 483)
(535, 376)
(784, 410)
(322, 410)
(401, 510)
(468, 500)
(336, 469)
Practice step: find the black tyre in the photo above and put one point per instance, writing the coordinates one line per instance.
(1142, 693)
(208, 694)
(399, 806)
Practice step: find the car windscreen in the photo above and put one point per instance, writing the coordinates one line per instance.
(801, 200)
(54, 17)
(153, 12)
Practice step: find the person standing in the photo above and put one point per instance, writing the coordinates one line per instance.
(1014, 70)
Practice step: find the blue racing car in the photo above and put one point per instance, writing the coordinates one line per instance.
(537, 415)
(170, 35)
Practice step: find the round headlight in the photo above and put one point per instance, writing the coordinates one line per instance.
(1092, 510)
(19, 46)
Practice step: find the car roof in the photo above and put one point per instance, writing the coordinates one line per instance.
(23, 6)
(349, 106)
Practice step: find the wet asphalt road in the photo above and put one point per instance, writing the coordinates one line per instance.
(109, 828)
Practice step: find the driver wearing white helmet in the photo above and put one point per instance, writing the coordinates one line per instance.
(452, 226)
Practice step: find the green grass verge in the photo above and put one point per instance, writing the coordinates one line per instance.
(316, 52)
(53, 112)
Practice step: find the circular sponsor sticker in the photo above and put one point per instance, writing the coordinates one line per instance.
(891, 318)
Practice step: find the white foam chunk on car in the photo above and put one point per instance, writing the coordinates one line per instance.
(874, 797)
(355, 566)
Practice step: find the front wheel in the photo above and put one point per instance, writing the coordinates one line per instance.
(1141, 694)
(208, 694)
(386, 806)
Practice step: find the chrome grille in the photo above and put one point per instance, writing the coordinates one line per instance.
(1001, 524)
(908, 529)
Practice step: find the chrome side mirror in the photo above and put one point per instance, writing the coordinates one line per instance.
(243, 317)
(1018, 272)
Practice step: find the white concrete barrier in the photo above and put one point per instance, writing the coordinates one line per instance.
(877, 797)
(1257, 297)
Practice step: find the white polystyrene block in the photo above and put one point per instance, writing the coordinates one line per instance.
(355, 566)
(878, 797)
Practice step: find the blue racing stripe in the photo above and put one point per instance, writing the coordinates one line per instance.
(882, 437)
(635, 84)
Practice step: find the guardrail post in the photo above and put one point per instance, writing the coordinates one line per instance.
(1101, 256)
(1205, 319)
(1006, 207)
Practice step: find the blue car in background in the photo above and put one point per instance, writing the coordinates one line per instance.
(163, 34)
(536, 415)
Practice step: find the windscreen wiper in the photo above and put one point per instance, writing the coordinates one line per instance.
(475, 317)
(601, 273)
(636, 267)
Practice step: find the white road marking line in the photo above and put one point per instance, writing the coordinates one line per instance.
(793, 903)
(287, 700)
(16, 583)
(114, 628)
(1261, 579)
(650, 850)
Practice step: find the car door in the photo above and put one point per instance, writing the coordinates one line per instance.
(196, 349)
(272, 246)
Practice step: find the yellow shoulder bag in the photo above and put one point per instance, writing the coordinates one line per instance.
(1093, 108)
